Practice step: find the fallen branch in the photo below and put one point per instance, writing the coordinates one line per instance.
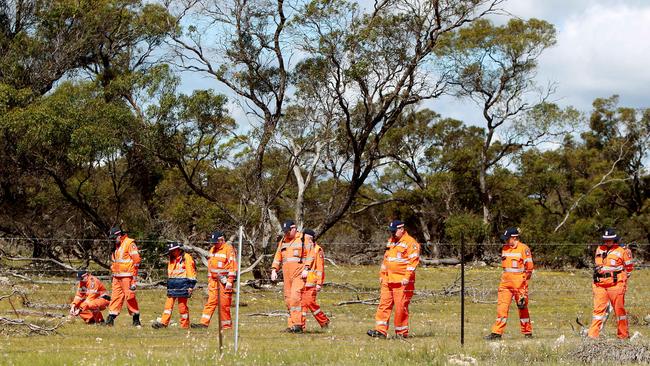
(341, 285)
(61, 264)
(271, 313)
(36, 305)
(374, 301)
(332, 262)
(33, 328)
(10, 295)
(42, 314)
(203, 254)
(252, 266)
(439, 262)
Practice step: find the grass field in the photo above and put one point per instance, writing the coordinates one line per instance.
(556, 299)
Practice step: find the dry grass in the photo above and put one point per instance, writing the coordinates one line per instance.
(556, 299)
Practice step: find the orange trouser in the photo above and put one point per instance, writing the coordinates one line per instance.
(211, 304)
(399, 295)
(602, 297)
(182, 309)
(293, 289)
(91, 310)
(505, 296)
(120, 291)
(309, 303)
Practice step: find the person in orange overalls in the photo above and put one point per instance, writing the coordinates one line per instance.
(293, 253)
(517, 264)
(222, 271)
(614, 266)
(397, 279)
(91, 298)
(181, 279)
(314, 281)
(126, 261)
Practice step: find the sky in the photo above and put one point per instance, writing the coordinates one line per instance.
(603, 48)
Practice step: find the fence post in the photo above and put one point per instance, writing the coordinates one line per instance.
(241, 234)
(462, 291)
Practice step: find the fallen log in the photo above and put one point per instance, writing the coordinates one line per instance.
(440, 262)
(374, 301)
(271, 313)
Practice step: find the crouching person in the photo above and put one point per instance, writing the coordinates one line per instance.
(181, 272)
(91, 298)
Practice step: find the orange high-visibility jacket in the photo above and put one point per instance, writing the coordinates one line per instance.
(293, 255)
(222, 261)
(126, 259)
(316, 275)
(90, 289)
(400, 259)
(517, 263)
(182, 267)
(615, 264)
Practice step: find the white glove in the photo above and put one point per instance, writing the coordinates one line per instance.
(72, 309)
(132, 287)
(404, 282)
(229, 286)
(274, 275)
(304, 273)
(318, 287)
(189, 291)
(223, 280)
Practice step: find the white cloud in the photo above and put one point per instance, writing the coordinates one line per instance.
(601, 51)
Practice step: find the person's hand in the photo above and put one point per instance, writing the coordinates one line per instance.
(132, 287)
(229, 286)
(318, 288)
(274, 275)
(404, 281)
(189, 291)
(304, 273)
(223, 280)
(381, 280)
(72, 309)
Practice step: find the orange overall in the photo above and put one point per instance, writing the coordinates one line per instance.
(315, 279)
(126, 261)
(294, 256)
(614, 266)
(222, 267)
(91, 299)
(517, 263)
(181, 273)
(400, 261)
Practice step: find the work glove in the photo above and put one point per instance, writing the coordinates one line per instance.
(318, 287)
(72, 310)
(521, 303)
(274, 275)
(189, 291)
(223, 280)
(304, 274)
(132, 287)
(404, 281)
(229, 286)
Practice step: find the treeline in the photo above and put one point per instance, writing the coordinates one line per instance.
(95, 130)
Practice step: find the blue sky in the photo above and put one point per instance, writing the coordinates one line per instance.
(602, 48)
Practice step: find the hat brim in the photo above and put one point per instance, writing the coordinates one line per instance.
(172, 248)
(611, 237)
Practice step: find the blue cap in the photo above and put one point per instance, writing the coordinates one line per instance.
(114, 232)
(174, 245)
(81, 273)
(215, 236)
(394, 225)
(610, 234)
(309, 232)
(287, 225)
(511, 231)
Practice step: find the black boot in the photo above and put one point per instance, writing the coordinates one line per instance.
(136, 320)
(376, 334)
(492, 337)
(111, 319)
(296, 329)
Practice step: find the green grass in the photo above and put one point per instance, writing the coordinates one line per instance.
(556, 299)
